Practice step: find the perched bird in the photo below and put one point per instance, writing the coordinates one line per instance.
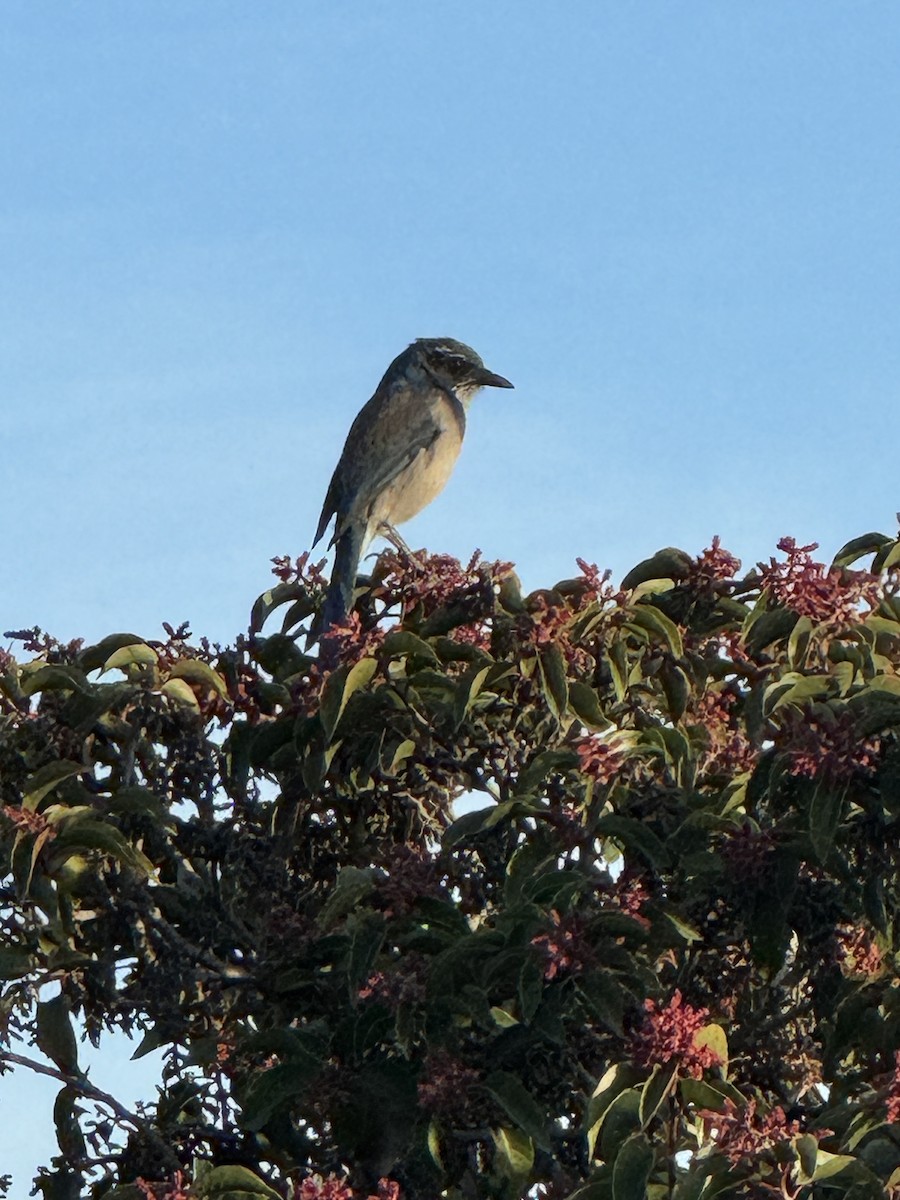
(399, 453)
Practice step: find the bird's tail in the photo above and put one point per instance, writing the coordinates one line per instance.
(339, 598)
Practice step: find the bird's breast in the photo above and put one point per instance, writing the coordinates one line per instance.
(427, 471)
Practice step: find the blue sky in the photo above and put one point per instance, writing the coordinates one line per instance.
(674, 227)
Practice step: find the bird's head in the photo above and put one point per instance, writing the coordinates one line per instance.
(451, 365)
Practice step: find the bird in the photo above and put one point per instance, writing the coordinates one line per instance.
(399, 454)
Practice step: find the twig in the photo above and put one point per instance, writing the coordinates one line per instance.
(78, 1083)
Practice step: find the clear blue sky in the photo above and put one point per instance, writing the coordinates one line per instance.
(676, 228)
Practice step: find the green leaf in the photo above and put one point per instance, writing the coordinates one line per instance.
(519, 1105)
(89, 834)
(55, 1035)
(765, 626)
(54, 678)
(881, 683)
(859, 547)
(825, 810)
(339, 687)
(632, 1168)
(434, 1145)
(616, 659)
(182, 693)
(807, 1148)
(585, 703)
(670, 563)
(874, 710)
(194, 670)
(654, 621)
(544, 763)
(797, 691)
(828, 1165)
(406, 749)
(44, 780)
(94, 657)
(888, 556)
(515, 1150)
(604, 997)
(400, 643)
(621, 1121)
(531, 989)
(280, 656)
(353, 885)
(467, 826)
(677, 688)
(467, 692)
(65, 1118)
(553, 680)
(137, 654)
(265, 605)
(234, 1183)
(714, 1094)
(16, 961)
(635, 835)
(152, 1040)
(366, 935)
(274, 1090)
(655, 1091)
(613, 1083)
(714, 1037)
(798, 643)
(683, 928)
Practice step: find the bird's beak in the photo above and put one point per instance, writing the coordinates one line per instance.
(487, 378)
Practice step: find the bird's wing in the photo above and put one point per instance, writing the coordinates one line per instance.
(386, 437)
(329, 508)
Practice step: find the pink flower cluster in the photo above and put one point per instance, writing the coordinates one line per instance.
(729, 749)
(745, 1134)
(747, 851)
(175, 1190)
(829, 597)
(300, 570)
(715, 565)
(351, 641)
(410, 874)
(314, 1187)
(597, 581)
(822, 744)
(407, 983)
(447, 1083)
(435, 580)
(630, 895)
(892, 1103)
(670, 1032)
(858, 953)
(565, 949)
(598, 759)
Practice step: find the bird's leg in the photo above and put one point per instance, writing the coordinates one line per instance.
(390, 534)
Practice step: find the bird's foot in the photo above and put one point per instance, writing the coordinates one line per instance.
(390, 534)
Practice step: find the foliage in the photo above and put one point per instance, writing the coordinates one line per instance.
(658, 959)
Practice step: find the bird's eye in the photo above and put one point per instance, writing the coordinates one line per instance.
(456, 366)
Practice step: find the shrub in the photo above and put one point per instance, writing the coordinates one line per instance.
(655, 957)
